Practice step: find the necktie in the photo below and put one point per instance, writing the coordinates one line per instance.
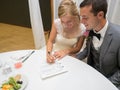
(92, 33)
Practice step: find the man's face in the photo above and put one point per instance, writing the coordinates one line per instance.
(87, 18)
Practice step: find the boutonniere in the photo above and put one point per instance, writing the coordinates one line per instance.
(86, 34)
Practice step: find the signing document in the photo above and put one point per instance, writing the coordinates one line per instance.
(49, 70)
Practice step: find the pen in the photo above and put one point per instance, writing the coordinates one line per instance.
(28, 56)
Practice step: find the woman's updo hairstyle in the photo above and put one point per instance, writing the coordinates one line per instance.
(68, 7)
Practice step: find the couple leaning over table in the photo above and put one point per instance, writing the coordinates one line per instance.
(102, 37)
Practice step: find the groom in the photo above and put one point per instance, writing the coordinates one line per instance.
(103, 43)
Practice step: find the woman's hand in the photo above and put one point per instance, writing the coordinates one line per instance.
(50, 58)
(60, 54)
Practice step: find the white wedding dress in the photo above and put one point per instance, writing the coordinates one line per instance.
(62, 42)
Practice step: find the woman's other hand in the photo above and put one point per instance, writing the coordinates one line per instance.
(60, 54)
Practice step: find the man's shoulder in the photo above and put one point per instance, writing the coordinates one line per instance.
(114, 28)
(113, 25)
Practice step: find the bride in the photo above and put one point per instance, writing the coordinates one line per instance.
(66, 36)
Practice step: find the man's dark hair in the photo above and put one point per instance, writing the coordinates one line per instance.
(97, 6)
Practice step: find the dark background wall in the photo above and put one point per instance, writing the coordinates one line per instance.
(45, 6)
(16, 12)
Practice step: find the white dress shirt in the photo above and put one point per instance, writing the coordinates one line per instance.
(97, 43)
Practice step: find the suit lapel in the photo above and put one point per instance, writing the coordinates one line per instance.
(106, 43)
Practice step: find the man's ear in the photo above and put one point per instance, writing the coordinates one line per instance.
(100, 15)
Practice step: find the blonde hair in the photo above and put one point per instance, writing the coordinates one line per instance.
(68, 7)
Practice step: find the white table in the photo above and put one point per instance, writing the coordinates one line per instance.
(80, 76)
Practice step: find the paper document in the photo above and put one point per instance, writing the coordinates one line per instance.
(49, 70)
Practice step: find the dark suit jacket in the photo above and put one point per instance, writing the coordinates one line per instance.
(109, 59)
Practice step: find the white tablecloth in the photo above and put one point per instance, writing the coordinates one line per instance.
(80, 76)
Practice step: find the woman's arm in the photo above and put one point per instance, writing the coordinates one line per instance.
(78, 46)
(50, 42)
(60, 54)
